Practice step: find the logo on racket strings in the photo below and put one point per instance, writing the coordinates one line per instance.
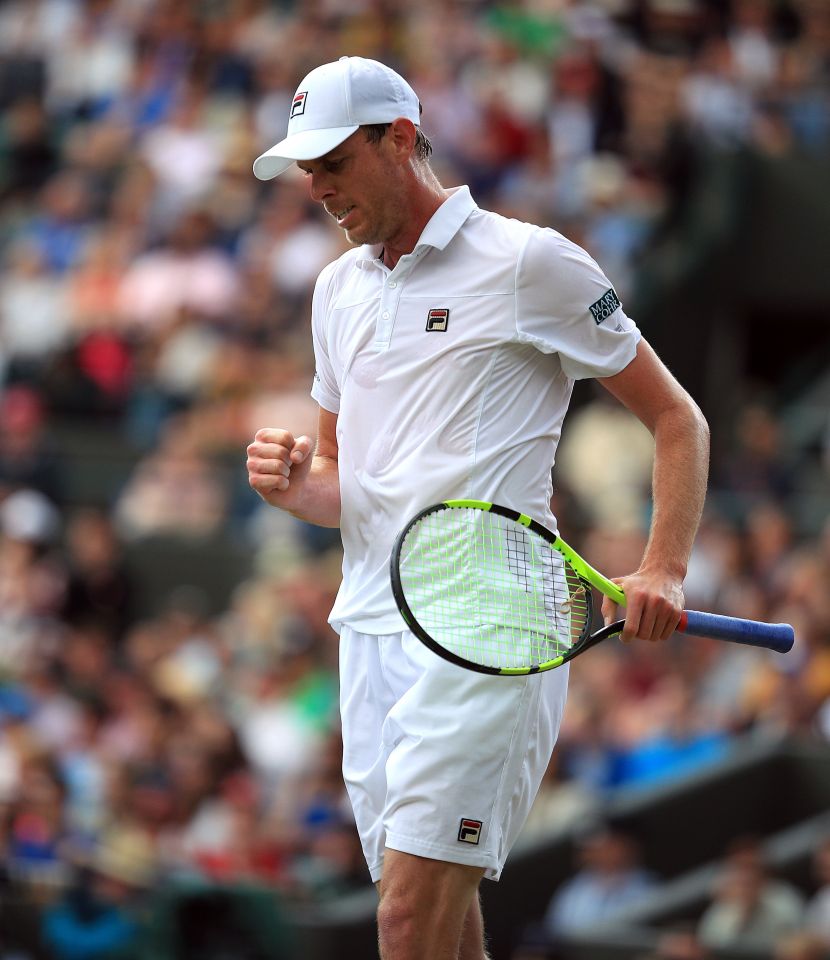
(469, 831)
(577, 596)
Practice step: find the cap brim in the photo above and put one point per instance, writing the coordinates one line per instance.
(308, 145)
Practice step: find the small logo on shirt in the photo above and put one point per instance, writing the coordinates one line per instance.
(605, 306)
(437, 321)
(298, 104)
(469, 831)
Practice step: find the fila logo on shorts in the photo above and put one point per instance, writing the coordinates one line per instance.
(437, 321)
(469, 831)
(298, 104)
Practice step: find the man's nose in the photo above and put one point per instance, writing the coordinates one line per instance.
(321, 187)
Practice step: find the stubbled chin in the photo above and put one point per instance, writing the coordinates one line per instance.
(355, 237)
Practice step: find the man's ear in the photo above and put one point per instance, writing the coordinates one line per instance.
(402, 133)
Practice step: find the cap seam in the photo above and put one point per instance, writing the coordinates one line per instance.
(397, 91)
(347, 90)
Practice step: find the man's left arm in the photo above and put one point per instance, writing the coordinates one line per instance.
(654, 593)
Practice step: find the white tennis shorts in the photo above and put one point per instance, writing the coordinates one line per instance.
(439, 761)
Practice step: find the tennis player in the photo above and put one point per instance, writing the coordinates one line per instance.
(447, 342)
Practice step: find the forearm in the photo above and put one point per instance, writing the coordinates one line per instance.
(317, 500)
(681, 468)
(654, 594)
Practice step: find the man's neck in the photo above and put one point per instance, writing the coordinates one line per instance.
(424, 203)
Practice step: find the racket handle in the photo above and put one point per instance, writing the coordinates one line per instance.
(773, 636)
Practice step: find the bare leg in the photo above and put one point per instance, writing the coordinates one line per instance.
(425, 908)
(473, 946)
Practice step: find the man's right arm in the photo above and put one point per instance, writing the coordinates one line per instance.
(294, 475)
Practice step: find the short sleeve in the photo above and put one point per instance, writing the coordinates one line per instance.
(325, 388)
(566, 305)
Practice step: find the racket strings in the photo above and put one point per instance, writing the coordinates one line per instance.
(490, 590)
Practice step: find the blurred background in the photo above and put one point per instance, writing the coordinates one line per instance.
(169, 743)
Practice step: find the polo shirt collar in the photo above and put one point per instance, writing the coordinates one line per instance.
(444, 224)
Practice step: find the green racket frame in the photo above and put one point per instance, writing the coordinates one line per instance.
(586, 573)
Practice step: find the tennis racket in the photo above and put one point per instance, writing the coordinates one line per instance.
(490, 589)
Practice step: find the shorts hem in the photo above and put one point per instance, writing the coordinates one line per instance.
(435, 851)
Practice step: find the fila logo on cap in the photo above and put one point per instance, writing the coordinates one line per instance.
(437, 321)
(298, 104)
(469, 831)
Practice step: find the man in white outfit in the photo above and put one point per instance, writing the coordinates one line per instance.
(447, 342)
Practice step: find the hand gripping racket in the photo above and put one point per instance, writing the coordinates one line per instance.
(489, 589)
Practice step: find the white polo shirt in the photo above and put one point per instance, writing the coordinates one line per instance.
(451, 375)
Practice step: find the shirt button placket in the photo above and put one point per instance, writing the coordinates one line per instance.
(388, 309)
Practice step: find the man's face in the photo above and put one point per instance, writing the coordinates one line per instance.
(359, 184)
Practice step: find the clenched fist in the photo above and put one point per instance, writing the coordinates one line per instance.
(278, 463)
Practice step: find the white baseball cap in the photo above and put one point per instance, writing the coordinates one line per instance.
(331, 103)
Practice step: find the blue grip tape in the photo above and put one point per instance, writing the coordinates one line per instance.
(773, 636)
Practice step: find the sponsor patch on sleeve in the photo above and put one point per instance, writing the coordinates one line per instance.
(607, 304)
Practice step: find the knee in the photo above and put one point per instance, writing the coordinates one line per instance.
(398, 919)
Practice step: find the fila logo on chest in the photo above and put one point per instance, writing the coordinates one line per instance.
(438, 320)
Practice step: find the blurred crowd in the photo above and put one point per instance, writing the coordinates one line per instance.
(750, 907)
(153, 291)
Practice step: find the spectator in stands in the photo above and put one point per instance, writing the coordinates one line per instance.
(609, 881)
(99, 589)
(189, 272)
(231, 837)
(183, 152)
(99, 917)
(34, 322)
(332, 865)
(756, 470)
(817, 918)
(61, 226)
(681, 740)
(175, 490)
(37, 825)
(801, 946)
(678, 945)
(606, 459)
(26, 455)
(31, 154)
(715, 103)
(750, 909)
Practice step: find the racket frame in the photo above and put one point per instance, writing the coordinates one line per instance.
(586, 573)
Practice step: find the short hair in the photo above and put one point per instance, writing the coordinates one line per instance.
(375, 132)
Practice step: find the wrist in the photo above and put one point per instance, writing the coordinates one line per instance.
(672, 568)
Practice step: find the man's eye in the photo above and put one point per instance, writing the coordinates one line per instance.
(334, 165)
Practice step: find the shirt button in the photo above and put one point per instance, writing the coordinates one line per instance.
(385, 314)
(392, 284)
